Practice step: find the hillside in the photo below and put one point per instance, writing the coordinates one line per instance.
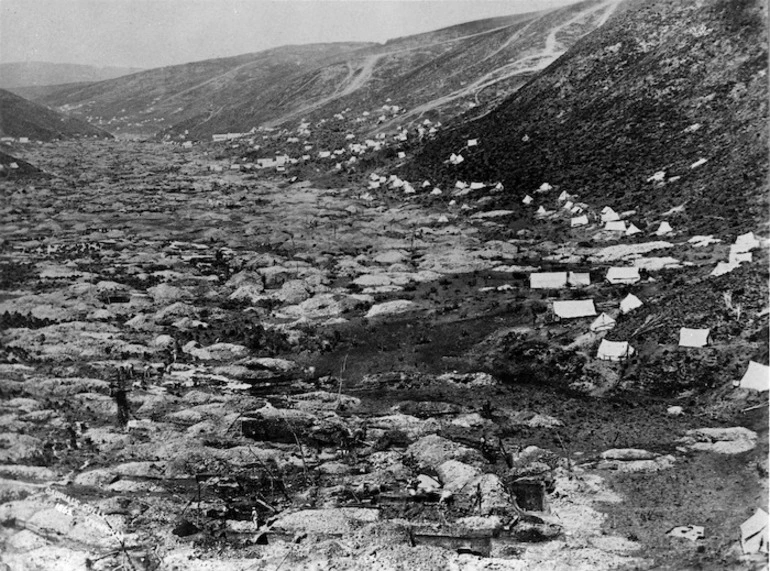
(22, 118)
(10, 166)
(437, 74)
(39, 73)
(661, 87)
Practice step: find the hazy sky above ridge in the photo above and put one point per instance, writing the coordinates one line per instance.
(155, 33)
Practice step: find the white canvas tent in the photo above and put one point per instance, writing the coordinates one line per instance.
(615, 226)
(754, 533)
(623, 275)
(573, 309)
(579, 221)
(693, 337)
(473, 142)
(614, 350)
(602, 323)
(527, 199)
(746, 242)
(477, 185)
(724, 268)
(564, 196)
(545, 187)
(629, 303)
(548, 280)
(541, 211)
(609, 215)
(664, 228)
(579, 279)
(756, 377)
(738, 257)
(631, 230)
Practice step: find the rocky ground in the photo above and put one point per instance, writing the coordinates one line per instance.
(217, 371)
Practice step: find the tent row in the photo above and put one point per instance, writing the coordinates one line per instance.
(558, 280)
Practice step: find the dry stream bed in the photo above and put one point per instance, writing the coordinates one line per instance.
(215, 371)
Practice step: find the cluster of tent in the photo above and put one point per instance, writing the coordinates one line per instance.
(581, 308)
(299, 136)
(613, 221)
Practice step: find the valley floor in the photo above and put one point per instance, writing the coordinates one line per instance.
(206, 370)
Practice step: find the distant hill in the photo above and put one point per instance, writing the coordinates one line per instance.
(22, 118)
(438, 74)
(37, 73)
(661, 87)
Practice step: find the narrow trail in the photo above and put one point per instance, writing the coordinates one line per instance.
(525, 65)
(350, 84)
(366, 73)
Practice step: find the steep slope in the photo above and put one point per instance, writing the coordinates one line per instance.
(440, 74)
(11, 167)
(39, 73)
(22, 118)
(660, 87)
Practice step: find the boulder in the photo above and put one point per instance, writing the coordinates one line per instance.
(390, 308)
(733, 440)
(431, 451)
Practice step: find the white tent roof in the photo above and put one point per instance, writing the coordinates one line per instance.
(632, 229)
(614, 350)
(746, 242)
(602, 323)
(527, 199)
(609, 215)
(579, 221)
(579, 279)
(664, 228)
(564, 196)
(574, 308)
(477, 185)
(756, 377)
(629, 303)
(545, 187)
(754, 533)
(473, 142)
(724, 268)
(568, 205)
(693, 337)
(738, 256)
(623, 275)
(615, 226)
(541, 210)
(548, 280)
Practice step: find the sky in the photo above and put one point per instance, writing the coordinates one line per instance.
(155, 33)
